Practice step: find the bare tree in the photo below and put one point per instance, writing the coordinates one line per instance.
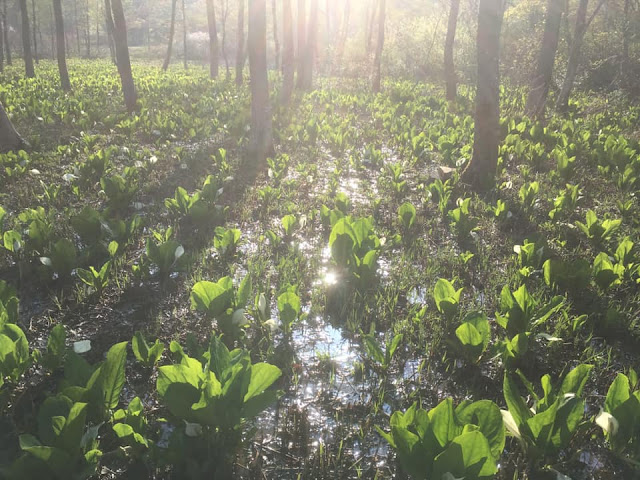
(261, 121)
(377, 60)
(240, 51)
(541, 81)
(449, 66)
(172, 30)
(110, 30)
(34, 28)
(582, 24)
(225, 13)
(26, 40)
(309, 55)
(5, 32)
(213, 39)
(9, 138)
(276, 42)
(60, 46)
(302, 41)
(122, 56)
(184, 37)
(288, 61)
(480, 172)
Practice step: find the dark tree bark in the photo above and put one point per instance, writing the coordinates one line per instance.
(276, 42)
(302, 41)
(122, 56)
(240, 51)
(288, 61)
(213, 39)
(261, 134)
(26, 40)
(34, 28)
(1, 45)
(5, 32)
(184, 38)
(449, 66)
(9, 138)
(110, 30)
(541, 81)
(377, 59)
(575, 52)
(60, 47)
(172, 30)
(309, 56)
(480, 172)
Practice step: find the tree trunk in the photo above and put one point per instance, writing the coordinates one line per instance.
(371, 12)
(302, 40)
(225, 13)
(87, 30)
(377, 59)
(9, 138)
(626, 36)
(480, 172)
(60, 47)
(343, 34)
(276, 42)
(309, 56)
(574, 56)
(261, 135)
(5, 32)
(1, 45)
(288, 61)
(110, 30)
(98, 28)
(449, 66)
(213, 39)
(541, 81)
(172, 30)
(77, 26)
(34, 28)
(26, 40)
(184, 38)
(122, 56)
(240, 51)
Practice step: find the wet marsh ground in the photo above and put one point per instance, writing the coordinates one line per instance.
(338, 149)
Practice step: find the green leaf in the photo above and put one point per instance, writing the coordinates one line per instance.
(112, 377)
(71, 436)
(262, 377)
(212, 298)
(468, 456)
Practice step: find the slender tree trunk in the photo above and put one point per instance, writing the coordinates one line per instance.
(87, 30)
(34, 28)
(225, 13)
(626, 35)
(302, 41)
(26, 40)
(1, 45)
(172, 31)
(343, 34)
(449, 66)
(122, 56)
(541, 82)
(310, 47)
(213, 39)
(77, 25)
(110, 30)
(97, 28)
(60, 47)
(276, 41)
(52, 30)
(482, 169)
(369, 30)
(288, 60)
(184, 37)
(9, 138)
(240, 51)
(5, 32)
(261, 134)
(377, 60)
